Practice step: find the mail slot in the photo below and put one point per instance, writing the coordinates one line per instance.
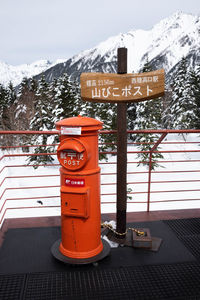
(75, 203)
(80, 192)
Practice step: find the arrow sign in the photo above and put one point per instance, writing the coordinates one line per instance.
(116, 88)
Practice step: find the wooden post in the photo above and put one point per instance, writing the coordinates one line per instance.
(122, 89)
(121, 150)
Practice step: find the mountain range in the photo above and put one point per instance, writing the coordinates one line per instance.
(164, 46)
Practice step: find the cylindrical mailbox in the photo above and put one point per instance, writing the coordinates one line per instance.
(80, 192)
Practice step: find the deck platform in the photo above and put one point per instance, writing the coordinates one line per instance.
(29, 271)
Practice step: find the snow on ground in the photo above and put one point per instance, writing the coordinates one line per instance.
(21, 190)
(139, 186)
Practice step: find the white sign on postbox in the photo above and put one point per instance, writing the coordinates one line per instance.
(75, 182)
(70, 130)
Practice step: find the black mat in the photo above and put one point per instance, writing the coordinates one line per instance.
(184, 227)
(28, 251)
(188, 231)
(156, 282)
(171, 273)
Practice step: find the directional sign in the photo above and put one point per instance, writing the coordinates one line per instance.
(116, 88)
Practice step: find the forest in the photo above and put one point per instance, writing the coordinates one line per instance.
(37, 105)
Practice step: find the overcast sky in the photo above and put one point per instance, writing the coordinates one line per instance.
(50, 29)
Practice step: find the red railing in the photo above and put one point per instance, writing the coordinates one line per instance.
(174, 184)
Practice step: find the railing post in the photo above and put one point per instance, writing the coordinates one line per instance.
(150, 167)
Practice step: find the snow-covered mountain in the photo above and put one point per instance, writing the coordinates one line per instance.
(15, 74)
(164, 45)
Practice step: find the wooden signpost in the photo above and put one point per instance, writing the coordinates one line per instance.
(116, 88)
(122, 88)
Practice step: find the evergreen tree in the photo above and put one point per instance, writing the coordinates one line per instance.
(7, 99)
(92, 110)
(33, 85)
(11, 94)
(181, 110)
(43, 113)
(3, 105)
(131, 117)
(42, 120)
(166, 114)
(147, 66)
(107, 113)
(149, 113)
(7, 118)
(194, 80)
(148, 116)
(22, 121)
(25, 108)
(77, 96)
(24, 86)
(3, 101)
(66, 98)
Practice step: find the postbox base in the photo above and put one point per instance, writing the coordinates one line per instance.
(77, 261)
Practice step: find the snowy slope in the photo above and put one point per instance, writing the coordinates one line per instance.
(15, 74)
(175, 37)
(164, 45)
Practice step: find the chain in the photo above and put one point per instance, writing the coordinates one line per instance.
(110, 227)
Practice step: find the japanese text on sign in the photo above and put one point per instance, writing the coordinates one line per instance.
(135, 80)
(122, 87)
(75, 182)
(71, 158)
(123, 92)
(70, 130)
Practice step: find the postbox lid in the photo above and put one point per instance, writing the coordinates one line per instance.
(85, 123)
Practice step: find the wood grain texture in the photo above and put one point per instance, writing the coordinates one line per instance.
(116, 88)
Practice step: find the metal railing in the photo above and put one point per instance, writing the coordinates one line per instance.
(33, 190)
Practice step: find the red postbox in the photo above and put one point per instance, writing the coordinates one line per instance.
(80, 192)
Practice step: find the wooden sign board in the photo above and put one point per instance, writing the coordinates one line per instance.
(116, 88)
